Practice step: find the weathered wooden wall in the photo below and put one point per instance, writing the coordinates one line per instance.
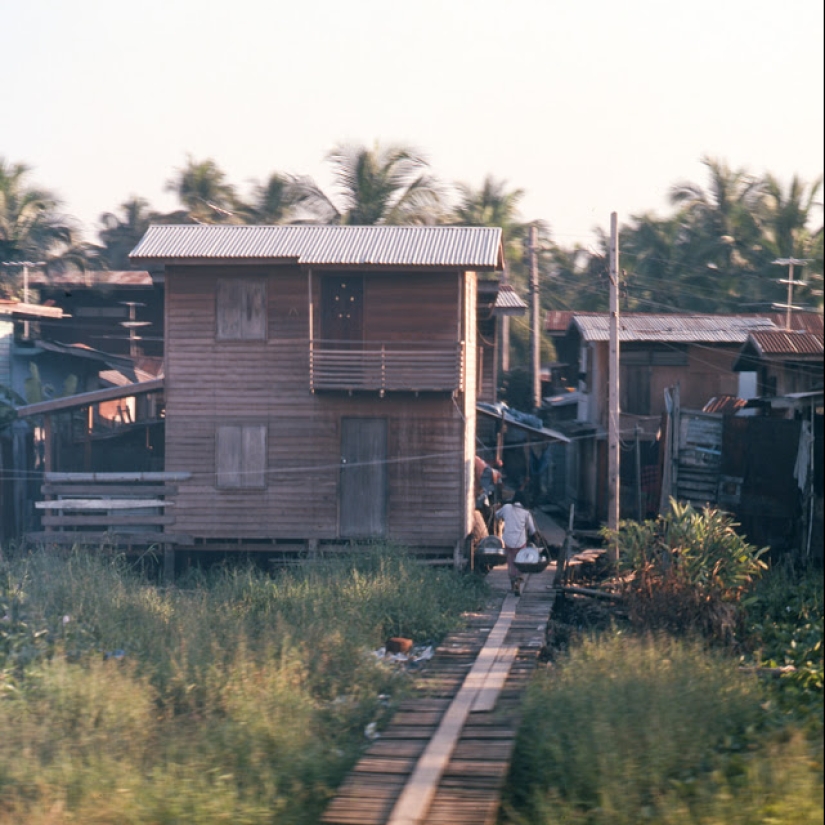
(209, 383)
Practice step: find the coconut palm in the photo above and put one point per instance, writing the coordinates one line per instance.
(785, 216)
(493, 205)
(202, 189)
(119, 235)
(373, 186)
(31, 226)
(274, 201)
(720, 233)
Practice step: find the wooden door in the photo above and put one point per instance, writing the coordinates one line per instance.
(363, 483)
(342, 310)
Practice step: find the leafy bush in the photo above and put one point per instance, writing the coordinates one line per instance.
(687, 571)
(785, 626)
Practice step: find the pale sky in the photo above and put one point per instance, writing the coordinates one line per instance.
(590, 106)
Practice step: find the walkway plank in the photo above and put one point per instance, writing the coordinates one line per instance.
(442, 758)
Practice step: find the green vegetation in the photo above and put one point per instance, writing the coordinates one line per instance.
(681, 714)
(686, 571)
(232, 697)
(715, 252)
(240, 697)
(653, 729)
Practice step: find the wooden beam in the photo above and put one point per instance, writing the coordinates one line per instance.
(97, 537)
(414, 801)
(111, 521)
(84, 399)
(112, 477)
(102, 504)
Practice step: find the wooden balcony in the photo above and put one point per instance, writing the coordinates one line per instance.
(386, 367)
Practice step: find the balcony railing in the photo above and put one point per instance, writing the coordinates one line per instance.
(385, 367)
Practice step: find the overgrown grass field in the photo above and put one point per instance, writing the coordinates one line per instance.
(233, 697)
(240, 697)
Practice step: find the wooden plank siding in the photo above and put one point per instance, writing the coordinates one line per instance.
(238, 382)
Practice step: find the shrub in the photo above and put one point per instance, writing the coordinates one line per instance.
(785, 625)
(687, 571)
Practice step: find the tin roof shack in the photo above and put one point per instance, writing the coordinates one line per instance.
(656, 351)
(17, 320)
(496, 303)
(785, 361)
(321, 382)
(119, 312)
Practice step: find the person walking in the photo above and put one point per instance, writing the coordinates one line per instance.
(518, 527)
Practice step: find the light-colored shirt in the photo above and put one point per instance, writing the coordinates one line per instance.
(518, 525)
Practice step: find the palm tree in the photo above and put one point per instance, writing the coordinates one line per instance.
(493, 205)
(719, 228)
(657, 280)
(274, 201)
(119, 236)
(374, 186)
(785, 217)
(31, 227)
(202, 189)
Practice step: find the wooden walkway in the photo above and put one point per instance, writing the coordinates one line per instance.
(444, 757)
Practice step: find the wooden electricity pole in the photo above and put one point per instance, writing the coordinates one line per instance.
(535, 331)
(613, 391)
(790, 263)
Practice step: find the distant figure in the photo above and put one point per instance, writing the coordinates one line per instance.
(518, 528)
(486, 481)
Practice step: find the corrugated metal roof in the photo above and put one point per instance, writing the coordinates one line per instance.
(725, 404)
(673, 328)
(465, 247)
(788, 344)
(556, 321)
(508, 299)
(801, 320)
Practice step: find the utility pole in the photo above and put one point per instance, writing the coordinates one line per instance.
(790, 263)
(25, 265)
(133, 325)
(534, 317)
(613, 391)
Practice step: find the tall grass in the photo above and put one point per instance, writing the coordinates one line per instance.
(233, 697)
(634, 729)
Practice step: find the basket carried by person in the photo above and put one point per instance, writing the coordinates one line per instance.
(531, 560)
(490, 552)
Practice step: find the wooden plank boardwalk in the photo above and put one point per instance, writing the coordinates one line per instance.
(444, 757)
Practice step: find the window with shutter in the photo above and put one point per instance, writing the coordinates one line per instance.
(240, 456)
(241, 309)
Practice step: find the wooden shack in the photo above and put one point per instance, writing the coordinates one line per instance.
(321, 382)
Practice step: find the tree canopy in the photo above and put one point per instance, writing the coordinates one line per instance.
(716, 252)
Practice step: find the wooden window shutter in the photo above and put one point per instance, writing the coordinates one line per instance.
(240, 456)
(241, 309)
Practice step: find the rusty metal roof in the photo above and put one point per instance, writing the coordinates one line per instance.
(801, 320)
(556, 321)
(672, 328)
(784, 344)
(463, 247)
(725, 404)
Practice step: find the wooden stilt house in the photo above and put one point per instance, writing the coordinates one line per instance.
(321, 382)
